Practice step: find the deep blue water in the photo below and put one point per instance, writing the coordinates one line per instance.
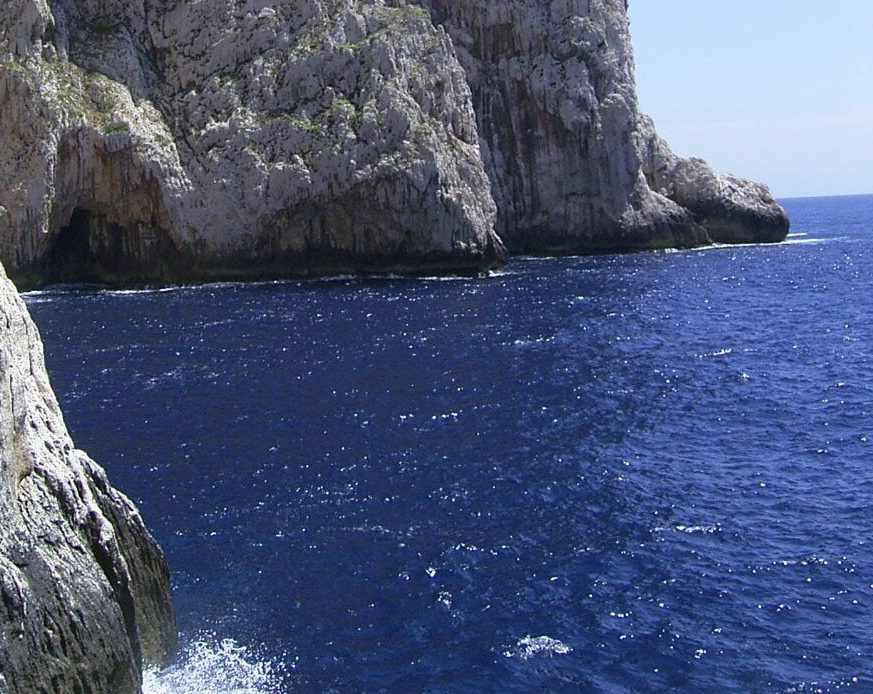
(639, 473)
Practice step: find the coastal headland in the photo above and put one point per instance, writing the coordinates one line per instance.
(159, 142)
(155, 142)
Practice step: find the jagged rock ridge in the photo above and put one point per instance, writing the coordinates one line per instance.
(84, 591)
(157, 141)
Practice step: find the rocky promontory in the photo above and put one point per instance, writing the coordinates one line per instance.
(84, 593)
(153, 141)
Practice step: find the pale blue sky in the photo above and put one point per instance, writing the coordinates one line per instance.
(780, 91)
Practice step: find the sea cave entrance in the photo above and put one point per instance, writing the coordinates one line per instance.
(70, 255)
(90, 249)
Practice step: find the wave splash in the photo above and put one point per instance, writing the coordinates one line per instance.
(533, 646)
(209, 665)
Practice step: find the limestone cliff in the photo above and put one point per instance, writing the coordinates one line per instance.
(573, 164)
(83, 587)
(154, 141)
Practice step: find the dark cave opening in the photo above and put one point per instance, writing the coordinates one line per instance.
(71, 250)
(72, 257)
(90, 249)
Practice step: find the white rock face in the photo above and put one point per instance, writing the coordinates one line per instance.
(571, 160)
(84, 591)
(154, 141)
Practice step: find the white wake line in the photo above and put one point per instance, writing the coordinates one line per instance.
(37, 295)
(792, 240)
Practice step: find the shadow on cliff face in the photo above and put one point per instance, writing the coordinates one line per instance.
(89, 248)
(71, 249)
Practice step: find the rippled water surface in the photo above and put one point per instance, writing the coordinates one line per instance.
(639, 473)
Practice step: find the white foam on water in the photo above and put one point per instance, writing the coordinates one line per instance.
(793, 241)
(31, 298)
(702, 529)
(144, 290)
(503, 272)
(691, 529)
(533, 646)
(209, 665)
(718, 353)
(449, 278)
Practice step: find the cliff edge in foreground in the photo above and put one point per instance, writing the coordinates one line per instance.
(84, 595)
(158, 141)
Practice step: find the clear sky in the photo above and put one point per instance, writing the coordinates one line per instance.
(780, 91)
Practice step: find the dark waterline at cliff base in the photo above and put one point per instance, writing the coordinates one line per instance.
(636, 473)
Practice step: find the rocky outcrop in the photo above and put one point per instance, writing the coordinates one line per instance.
(156, 141)
(83, 587)
(573, 164)
(727, 208)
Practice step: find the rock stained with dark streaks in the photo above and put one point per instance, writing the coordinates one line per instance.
(154, 141)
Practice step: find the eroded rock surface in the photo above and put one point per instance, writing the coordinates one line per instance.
(157, 141)
(83, 587)
(574, 166)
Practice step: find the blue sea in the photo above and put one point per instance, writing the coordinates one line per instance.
(631, 473)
